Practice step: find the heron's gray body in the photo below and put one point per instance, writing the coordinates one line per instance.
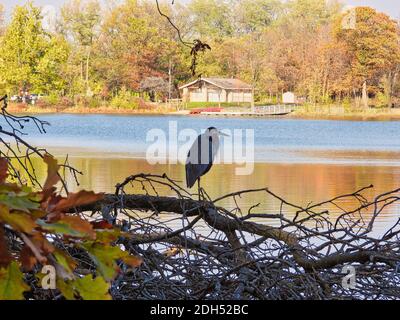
(201, 156)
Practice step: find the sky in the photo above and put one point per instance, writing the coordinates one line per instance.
(391, 7)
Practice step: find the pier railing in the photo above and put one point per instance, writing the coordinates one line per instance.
(275, 109)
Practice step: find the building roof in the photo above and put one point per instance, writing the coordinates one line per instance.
(223, 83)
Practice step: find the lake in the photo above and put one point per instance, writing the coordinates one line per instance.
(304, 161)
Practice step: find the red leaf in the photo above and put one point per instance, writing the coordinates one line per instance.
(102, 225)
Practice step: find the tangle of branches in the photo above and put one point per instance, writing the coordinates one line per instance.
(201, 250)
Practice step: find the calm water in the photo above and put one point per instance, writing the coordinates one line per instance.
(304, 161)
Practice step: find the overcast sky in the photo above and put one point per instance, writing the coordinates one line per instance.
(391, 7)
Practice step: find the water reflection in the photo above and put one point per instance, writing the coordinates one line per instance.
(299, 184)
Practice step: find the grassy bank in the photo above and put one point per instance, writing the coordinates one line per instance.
(314, 112)
(335, 112)
(154, 109)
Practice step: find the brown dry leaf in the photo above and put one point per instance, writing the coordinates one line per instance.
(3, 170)
(27, 259)
(72, 226)
(52, 172)
(42, 244)
(5, 256)
(172, 252)
(78, 199)
(133, 261)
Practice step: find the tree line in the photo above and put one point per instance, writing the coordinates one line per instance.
(96, 52)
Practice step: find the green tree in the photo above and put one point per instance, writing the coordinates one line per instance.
(81, 20)
(52, 66)
(212, 18)
(31, 59)
(22, 47)
(255, 15)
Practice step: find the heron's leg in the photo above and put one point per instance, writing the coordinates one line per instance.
(199, 188)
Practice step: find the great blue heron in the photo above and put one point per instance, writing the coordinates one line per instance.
(202, 155)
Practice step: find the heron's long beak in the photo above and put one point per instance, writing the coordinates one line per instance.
(223, 134)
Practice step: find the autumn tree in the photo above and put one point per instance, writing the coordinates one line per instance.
(80, 20)
(2, 22)
(373, 43)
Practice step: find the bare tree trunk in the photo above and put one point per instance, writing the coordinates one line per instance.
(88, 91)
(391, 79)
(365, 95)
(253, 106)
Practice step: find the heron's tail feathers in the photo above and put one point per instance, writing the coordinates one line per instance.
(190, 178)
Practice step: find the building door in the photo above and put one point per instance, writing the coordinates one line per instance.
(196, 95)
(213, 96)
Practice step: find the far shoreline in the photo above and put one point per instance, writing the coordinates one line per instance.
(356, 116)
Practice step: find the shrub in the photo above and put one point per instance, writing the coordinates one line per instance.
(124, 100)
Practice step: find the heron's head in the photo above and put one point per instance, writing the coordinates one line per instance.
(215, 133)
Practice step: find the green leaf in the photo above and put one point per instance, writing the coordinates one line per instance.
(18, 221)
(65, 261)
(104, 256)
(87, 288)
(108, 236)
(21, 202)
(66, 288)
(12, 285)
(93, 289)
(70, 226)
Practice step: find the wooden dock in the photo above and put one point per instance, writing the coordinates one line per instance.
(264, 111)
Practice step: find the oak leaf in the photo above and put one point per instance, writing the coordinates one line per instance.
(52, 172)
(77, 199)
(19, 221)
(86, 288)
(12, 285)
(5, 256)
(105, 257)
(70, 226)
(92, 289)
(3, 170)
(27, 259)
